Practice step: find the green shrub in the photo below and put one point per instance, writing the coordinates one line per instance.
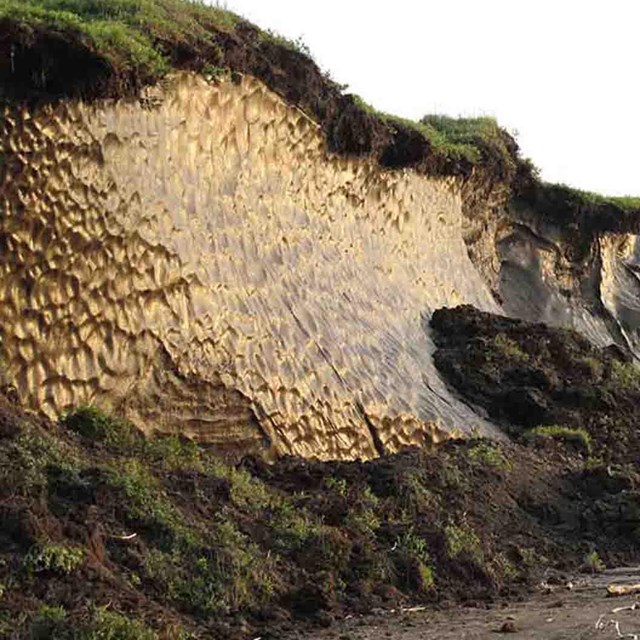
(339, 485)
(292, 527)
(93, 424)
(363, 516)
(427, 576)
(453, 478)
(246, 491)
(53, 623)
(297, 45)
(462, 539)
(413, 495)
(576, 437)
(592, 563)
(509, 348)
(174, 452)
(146, 501)
(215, 72)
(503, 568)
(625, 375)
(25, 461)
(56, 558)
(489, 455)
(230, 574)
(413, 551)
(413, 545)
(109, 625)
(365, 521)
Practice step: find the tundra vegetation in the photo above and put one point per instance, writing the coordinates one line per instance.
(106, 533)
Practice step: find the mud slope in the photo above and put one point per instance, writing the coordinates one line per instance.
(205, 260)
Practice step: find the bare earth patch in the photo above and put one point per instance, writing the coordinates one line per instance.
(557, 612)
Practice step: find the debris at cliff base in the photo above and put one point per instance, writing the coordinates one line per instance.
(545, 385)
(622, 590)
(101, 528)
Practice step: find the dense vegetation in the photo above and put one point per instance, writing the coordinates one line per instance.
(138, 34)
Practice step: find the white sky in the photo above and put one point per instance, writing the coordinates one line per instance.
(564, 74)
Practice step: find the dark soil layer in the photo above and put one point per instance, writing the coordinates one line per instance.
(580, 216)
(530, 375)
(102, 530)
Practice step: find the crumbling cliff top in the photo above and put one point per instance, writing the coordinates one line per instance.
(54, 49)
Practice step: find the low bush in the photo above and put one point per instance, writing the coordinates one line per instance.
(56, 558)
(578, 438)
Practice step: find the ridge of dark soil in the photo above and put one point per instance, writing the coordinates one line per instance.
(579, 217)
(530, 375)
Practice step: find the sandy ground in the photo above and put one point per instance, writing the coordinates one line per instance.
(583, 612)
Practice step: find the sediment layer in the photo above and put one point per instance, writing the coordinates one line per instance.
(205, 248)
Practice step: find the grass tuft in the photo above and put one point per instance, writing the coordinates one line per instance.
(93, 424)
(625, 375)
(485, 454)
(461, 539)
(56, 558)
(576, 437)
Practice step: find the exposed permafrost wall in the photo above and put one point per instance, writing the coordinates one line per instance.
(592, 288)
(201, 263)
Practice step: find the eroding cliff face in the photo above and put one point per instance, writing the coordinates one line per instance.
(547, 274)
(202, 264)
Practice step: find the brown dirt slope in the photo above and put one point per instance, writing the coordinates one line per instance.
(102, 530)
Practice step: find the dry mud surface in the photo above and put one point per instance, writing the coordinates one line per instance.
(583, 612)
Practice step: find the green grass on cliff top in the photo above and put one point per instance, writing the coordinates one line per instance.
(471, 139)
(586, 201)
(128, 33)
(144, 35)
(588, 197)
